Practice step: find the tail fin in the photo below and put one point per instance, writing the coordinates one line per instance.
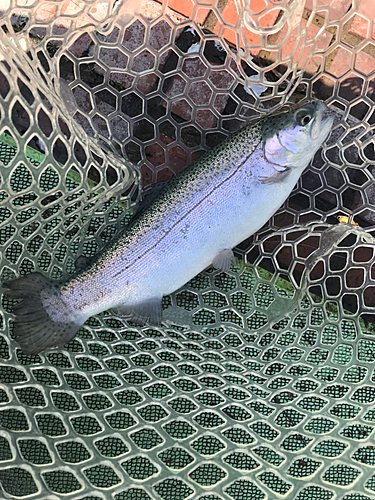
(34, 329)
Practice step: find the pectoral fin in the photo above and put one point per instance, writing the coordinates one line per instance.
(149, 311)
(223, 260)
(278, 176)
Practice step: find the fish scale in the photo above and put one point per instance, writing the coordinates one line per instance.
(193, 222)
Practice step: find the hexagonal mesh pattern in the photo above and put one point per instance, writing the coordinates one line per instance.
(260, 382)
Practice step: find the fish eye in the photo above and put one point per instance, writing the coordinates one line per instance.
(303, 118)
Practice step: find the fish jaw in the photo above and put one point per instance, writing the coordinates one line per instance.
(322, 125)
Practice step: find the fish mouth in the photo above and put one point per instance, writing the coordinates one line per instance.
(323, 123)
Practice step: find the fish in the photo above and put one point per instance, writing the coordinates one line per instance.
(193, 222)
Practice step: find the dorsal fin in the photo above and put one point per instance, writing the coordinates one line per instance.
(148, 197)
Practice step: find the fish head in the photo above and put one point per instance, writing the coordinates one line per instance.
(291, 139)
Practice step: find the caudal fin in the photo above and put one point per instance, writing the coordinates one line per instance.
(33, 329)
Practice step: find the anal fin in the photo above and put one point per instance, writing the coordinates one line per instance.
(223, 260)
(149, 311)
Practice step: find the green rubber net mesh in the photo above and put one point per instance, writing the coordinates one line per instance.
(260, 382)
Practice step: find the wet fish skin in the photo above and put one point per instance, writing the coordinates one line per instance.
(195, 220)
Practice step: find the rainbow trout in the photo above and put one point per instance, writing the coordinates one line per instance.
(194, 222)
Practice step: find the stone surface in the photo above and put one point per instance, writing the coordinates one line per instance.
(230, 15)
(360, 25)
(80, 45)
(187, 9)
(289, 46)
(337, 8)
(151, 10)
(341, 63)
(364, 63)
